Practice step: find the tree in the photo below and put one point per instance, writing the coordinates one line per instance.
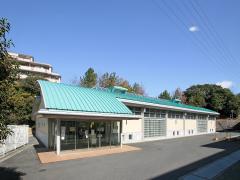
(23, 98)
(89, 79)
(30, 85)
(8, 75)
(178, 94)
(108, 80)
(138, 89)
(213, 97)
(165, 95)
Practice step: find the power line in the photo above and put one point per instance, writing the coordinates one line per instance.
(216, 32)
(215, 35)
(207, 35)
(203, 47)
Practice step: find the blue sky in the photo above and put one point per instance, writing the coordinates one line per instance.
(141, 40)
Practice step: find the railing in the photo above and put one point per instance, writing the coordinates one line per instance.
(18, 138)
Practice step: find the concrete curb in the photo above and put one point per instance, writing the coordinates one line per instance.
(213, 169)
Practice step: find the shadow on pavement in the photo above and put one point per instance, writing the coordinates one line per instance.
(10, 173)
(229, 146)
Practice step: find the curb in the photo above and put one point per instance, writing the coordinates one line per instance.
(213, 169)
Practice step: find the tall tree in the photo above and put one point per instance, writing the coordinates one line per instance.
(8, 75)
(138, 89)
(89, 79)
(165, 95)
(177, 94)
(23, 99)
(213, 97)
(108, 80)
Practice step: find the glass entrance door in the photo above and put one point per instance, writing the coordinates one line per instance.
(89, 134)
(68, 134)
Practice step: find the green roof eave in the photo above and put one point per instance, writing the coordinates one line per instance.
(162, 102)
(58, 96)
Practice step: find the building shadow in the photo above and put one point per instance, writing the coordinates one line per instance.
(10, 173)
(39, 146)
(229, 146)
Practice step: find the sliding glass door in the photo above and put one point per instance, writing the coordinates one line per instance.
(89, 134)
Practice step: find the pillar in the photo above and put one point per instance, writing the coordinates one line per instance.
(58, 137)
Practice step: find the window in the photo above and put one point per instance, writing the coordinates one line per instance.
(173, 133)
(130, 136)
(175, 115)
(154, 113)
(211, 118)
(177, 132)
(135, 110)
(202, 117)
(191, 116)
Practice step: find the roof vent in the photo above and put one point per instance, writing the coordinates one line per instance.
(119, 89)
(177, 101)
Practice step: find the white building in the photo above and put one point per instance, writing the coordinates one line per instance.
(73, 117)
(29, 67)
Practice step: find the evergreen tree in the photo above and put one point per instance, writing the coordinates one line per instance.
(8, 75)
(165, 95)
(213, 97)
(89, 79)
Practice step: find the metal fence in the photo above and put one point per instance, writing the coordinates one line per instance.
(18, 138)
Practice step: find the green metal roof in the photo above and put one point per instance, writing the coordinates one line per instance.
(134, 97)
(74, 98)
(60, 96)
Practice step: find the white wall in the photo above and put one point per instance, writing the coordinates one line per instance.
(42, 130)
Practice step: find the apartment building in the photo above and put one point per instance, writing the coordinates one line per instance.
(29, 67)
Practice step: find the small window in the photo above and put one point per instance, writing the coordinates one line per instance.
(189, 132)
(177, 132)
(130, 136)
(173, 133)
(192, 131)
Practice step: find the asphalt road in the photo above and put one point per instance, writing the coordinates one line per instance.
(165, 159)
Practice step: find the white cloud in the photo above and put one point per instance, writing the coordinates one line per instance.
(193, 29)
(225, 84)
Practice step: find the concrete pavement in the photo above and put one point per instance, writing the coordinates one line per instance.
(165, 159)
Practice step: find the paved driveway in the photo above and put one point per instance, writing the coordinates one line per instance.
(166, 159)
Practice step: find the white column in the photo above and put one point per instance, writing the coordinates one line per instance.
(58, 137)
(184, 123)
(207, 124)
(120, 131)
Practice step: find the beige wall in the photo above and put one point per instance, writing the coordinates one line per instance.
(190, 127)
(132, 128)
(132, 125)
(175, 127)
(211, 126)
